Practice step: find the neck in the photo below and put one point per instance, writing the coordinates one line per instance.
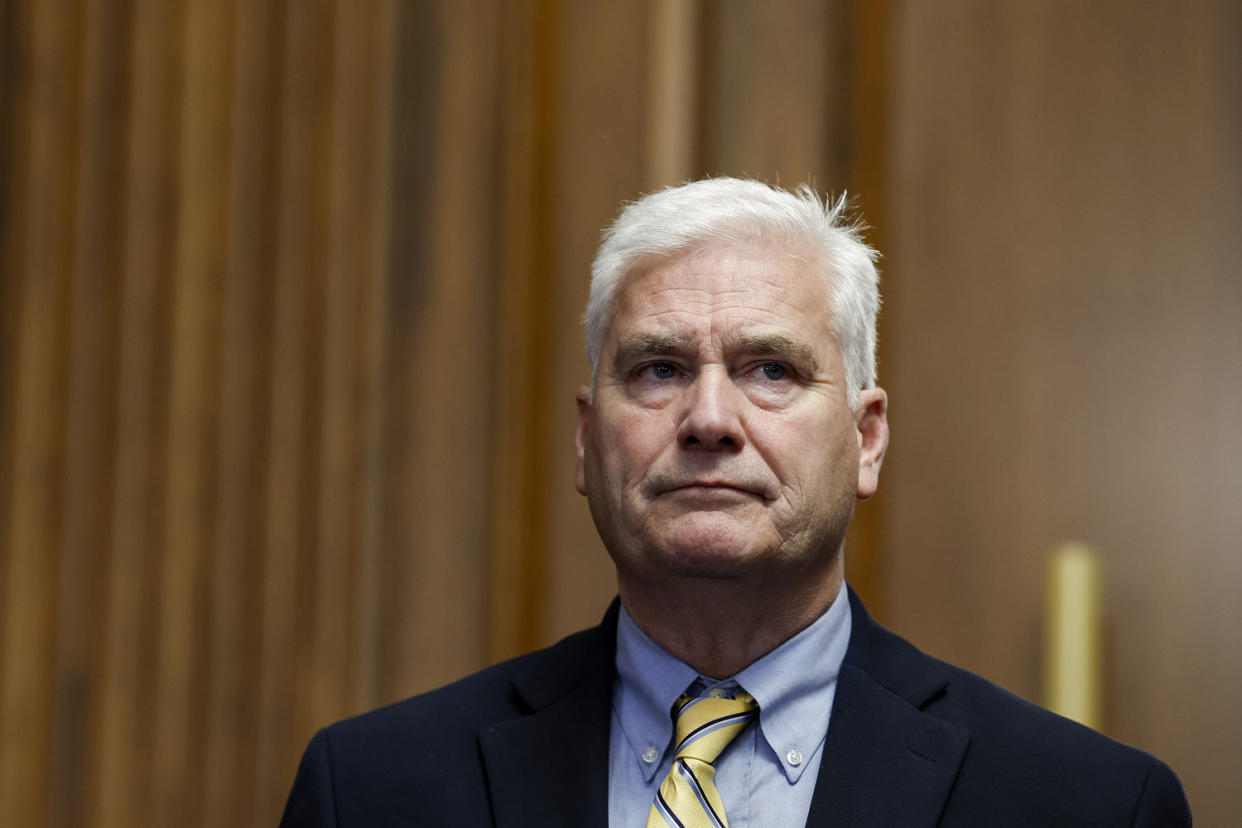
(722, 626)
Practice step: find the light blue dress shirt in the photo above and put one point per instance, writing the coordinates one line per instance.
(767, 774)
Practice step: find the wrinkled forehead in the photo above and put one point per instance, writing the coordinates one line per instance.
(751, 289)
(757, 267)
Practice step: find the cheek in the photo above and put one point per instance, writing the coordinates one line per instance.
(624, 452)
(820, 459)
(634, 441)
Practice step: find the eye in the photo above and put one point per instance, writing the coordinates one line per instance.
(773, 371)
(659, 370)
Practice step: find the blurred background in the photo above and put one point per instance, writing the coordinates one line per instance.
(289, 299)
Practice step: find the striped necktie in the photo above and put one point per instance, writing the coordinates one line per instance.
(688, 797)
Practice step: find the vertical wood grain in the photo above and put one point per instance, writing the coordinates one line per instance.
(12, 147)
(374, 549)
(46, 112)
(438, 369)
(517, 530)
(193, 399)
(353, 278)
(334, 607)
(672, 95)
(136, 500)
(245, 364)
(91, 412)
(288, 542)
(411, 133)
(775, 110)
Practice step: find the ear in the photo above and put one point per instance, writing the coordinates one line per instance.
(580, 436)
(871, 418)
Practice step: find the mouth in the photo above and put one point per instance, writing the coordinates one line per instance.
(709, 487)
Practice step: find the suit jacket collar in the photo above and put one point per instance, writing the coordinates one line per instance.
(886, 761)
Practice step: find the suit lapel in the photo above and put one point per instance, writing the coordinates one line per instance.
(550, 767)
(885, 761)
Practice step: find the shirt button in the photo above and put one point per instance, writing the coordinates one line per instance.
(650, 755)
(794, 757)
(717, 693)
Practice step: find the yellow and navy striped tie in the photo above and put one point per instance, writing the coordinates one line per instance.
(688, 797)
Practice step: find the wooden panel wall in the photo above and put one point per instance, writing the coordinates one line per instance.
(194, 244)
(289, 298)
(1064, 321)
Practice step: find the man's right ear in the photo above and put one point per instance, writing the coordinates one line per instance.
(580, 436)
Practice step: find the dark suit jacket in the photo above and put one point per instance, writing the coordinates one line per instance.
(912, 742)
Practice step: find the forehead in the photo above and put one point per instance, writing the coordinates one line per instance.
(727, 290)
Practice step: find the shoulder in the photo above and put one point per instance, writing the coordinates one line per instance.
(421, 756)
(1002, 723)
(1020, 757)
(423, 725)
(1051, 764)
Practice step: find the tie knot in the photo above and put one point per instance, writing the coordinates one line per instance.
(706, 726)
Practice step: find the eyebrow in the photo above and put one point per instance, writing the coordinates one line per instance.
(649, 344)
(796, 352)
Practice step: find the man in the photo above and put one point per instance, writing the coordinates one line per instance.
(731, 423)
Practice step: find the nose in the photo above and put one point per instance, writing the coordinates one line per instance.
(712, 415)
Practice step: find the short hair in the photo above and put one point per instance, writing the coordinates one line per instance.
(731, 210)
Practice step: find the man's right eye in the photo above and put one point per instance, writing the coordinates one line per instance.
(659, 370)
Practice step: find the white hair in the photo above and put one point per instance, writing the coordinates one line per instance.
(732, 210)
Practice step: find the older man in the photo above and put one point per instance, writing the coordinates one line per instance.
(731, 423)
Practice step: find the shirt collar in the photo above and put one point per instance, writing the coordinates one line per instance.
(649, 681)
(794, 686)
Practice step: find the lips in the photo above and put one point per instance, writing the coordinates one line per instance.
(744, 487)
(713, 484)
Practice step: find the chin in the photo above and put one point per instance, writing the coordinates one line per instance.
(715, 547)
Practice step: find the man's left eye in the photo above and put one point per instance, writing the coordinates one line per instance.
(773, 371)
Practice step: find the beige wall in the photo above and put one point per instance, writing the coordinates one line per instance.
(288, 343)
